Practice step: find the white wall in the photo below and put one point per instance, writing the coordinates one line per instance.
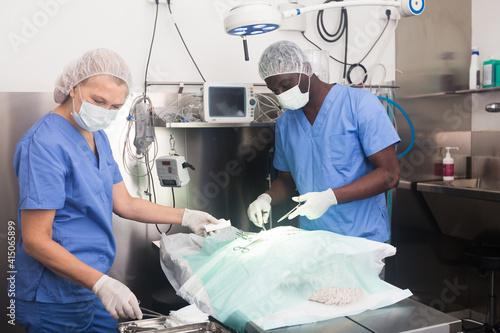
(485, 29)
(40, 37)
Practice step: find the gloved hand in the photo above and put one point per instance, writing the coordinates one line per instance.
(118, 300)
(317, 203)
(258, 211)
(195, 220)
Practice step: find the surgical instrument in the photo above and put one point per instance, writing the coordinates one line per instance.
(151, 313)
(244, 249)
(290, 212)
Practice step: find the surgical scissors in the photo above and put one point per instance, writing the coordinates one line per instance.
(244, 249)
(290, 212)
(151, 313)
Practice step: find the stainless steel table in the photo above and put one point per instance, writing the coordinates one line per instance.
(405, 316)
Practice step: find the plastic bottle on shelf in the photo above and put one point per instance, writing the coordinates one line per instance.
(449, 165)
(474, 70)
(490, 73)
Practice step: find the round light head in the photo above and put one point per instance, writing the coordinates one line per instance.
(410, 8)
(252, 19)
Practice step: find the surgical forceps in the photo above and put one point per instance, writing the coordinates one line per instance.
(244, 249)
(149, 313)
(290, 212)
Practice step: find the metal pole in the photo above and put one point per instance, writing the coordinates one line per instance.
(492, 305)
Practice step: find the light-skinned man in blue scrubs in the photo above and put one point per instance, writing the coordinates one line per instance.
(335, 144)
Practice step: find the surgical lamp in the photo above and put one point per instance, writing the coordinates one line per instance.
(260, 17)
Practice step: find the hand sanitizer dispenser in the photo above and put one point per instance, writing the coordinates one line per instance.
(449, 165)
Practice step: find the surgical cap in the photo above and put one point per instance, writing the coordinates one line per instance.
(94, 62)
(283, 57)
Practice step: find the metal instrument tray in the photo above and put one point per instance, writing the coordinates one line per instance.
(156, 325)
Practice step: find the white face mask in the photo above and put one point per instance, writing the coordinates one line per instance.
(293, 98)
(92, 117)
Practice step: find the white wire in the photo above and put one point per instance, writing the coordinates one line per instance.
(274, 107)
(377, 62)
(184, 113)
(175, 103)
(273, 102)
(191, 112)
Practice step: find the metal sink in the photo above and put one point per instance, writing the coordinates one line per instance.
(465, 208)
(475, 188)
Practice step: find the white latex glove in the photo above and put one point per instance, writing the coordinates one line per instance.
(118, 300)
(317, 203)
(195, 220)
(258, 211)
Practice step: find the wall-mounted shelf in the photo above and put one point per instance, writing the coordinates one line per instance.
(184, 84)
(477, 91)
(455, 92)
(213, 125)
(373, 86)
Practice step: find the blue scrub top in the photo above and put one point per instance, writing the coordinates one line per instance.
(351, 125)
(56, 169)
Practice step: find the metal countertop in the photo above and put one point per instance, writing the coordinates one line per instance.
(405, 316)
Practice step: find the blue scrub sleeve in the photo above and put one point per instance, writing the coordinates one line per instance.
(376, 131)
(280, 162)
(41, 176)
(117, 176)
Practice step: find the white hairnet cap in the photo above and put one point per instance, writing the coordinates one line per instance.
(93, 62)
(283, 57)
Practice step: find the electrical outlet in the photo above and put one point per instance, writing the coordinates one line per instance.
(394, 13)
(161, 1)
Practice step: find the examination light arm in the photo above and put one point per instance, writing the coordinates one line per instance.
(257, 18)
(294, 12)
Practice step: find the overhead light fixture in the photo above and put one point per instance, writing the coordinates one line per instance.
(261, 17)
(252, 19)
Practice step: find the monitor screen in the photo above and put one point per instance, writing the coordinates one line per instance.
(227, 101)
